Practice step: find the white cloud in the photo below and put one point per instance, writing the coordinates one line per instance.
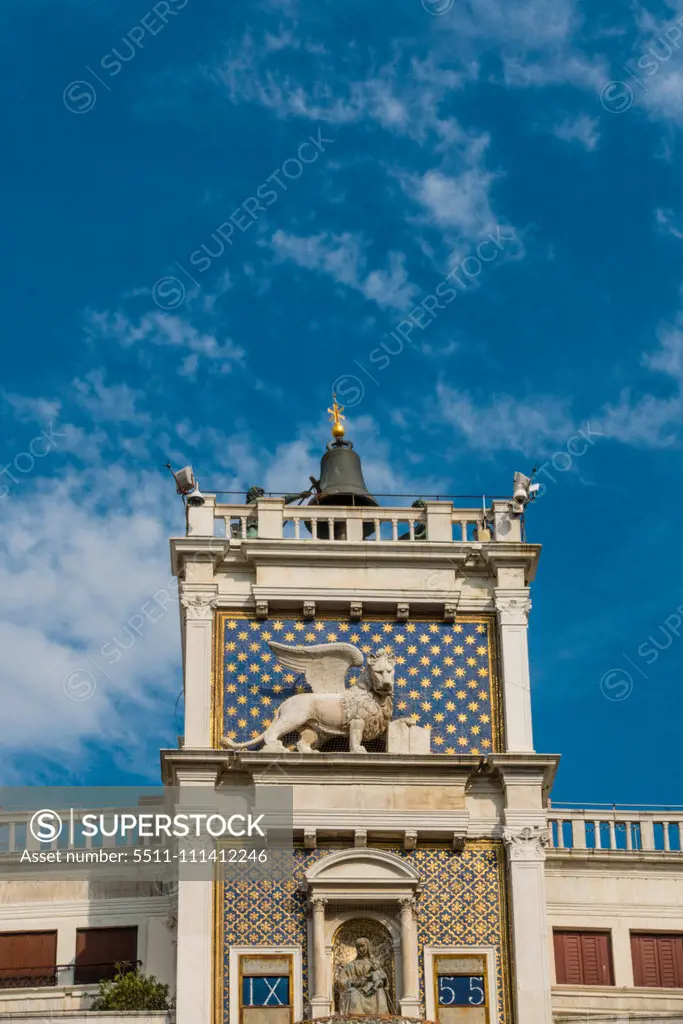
(342, 257)
(505, 423)
(581, 129)
(164, 329)
(665, 220)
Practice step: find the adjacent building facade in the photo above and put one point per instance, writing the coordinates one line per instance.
(373, 661)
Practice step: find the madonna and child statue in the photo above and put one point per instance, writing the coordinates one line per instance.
(361, 984)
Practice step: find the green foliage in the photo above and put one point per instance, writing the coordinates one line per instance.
(130, 990)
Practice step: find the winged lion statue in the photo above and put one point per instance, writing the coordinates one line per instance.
(360, 712)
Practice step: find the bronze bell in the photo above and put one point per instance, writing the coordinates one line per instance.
(341, 477)
(341, 483)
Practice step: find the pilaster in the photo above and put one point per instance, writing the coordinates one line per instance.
(194, 987)
(199, 606)
(513, 607)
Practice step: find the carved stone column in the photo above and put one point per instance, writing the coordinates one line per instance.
(513, 607)
(410, 995)
(199, 608)
(526, 855)
(320, 1000)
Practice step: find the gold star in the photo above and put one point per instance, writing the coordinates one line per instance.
(265, 699)
(402, 705)
(254, 690)
(481, 629)
(462, 742)
(450, 750)
(447, 639)
(278, 625)
(231, 710)
(231, 646)
(231, 624)
(414, 694)
(242, 699)
(462, 717)
(331, 637)
(424, 660)
(343, 627)
(450, 706)
(310, 637)
(482, 672)
(243, 635)
(426, 706)
(254, 667)
(266, 636)
(354, 638)
(401, 681)
(450, 727)
(254, 712)
(483, 695)
(319, 625)
(473, 706)
(481, 651)
(412, 671)
(231, 735)
(242, 678)
(469, 639)
(485, 719)
(461, 694)
(457, 628)
(289, 636)
(439, 716)
(424, 639)
(438, 740)
(471, 662)
(242, 723)
(475, 730)
(255, 625)
(399, 638)
(437, 695)
(459, 650)
(266, 656)
(254, 647)
(231, 688)
(298, 626)
(365, 627)
(387, 627)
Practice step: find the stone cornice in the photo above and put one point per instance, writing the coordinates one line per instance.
(512, 554)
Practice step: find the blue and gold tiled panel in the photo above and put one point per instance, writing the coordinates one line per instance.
(462, 903)
(445, 674)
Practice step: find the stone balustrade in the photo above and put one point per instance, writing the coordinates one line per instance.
(616, 830)
(270, 519)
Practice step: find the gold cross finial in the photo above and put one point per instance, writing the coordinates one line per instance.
(336, 417)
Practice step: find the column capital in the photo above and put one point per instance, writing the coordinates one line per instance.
(513, 606)
(527, 843)
(198, 605)
(407, 903)
(317, 903)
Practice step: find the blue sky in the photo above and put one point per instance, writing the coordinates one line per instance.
(519, 163)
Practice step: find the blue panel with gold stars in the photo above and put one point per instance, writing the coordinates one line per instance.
(444, 674)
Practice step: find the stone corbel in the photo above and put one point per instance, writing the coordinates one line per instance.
(527, 843)
(309, 610)
(458, 842)
(356, 611)
(450, 609)
(310, 839)
(360, 837)
(402, 612)
(410, 840)
(261, 609)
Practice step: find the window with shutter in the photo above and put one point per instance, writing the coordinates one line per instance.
(98, 950)
(28, 959)
(583, 958)
(657, 960)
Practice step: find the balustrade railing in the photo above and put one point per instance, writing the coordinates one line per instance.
(271, 519)
(616, 829)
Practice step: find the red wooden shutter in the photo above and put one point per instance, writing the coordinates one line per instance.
(98, 950)
(583, 958)
(657, 960)
(28, 959)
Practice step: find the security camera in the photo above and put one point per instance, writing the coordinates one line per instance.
(195, 499)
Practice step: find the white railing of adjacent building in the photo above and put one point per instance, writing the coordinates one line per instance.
(621, 829)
